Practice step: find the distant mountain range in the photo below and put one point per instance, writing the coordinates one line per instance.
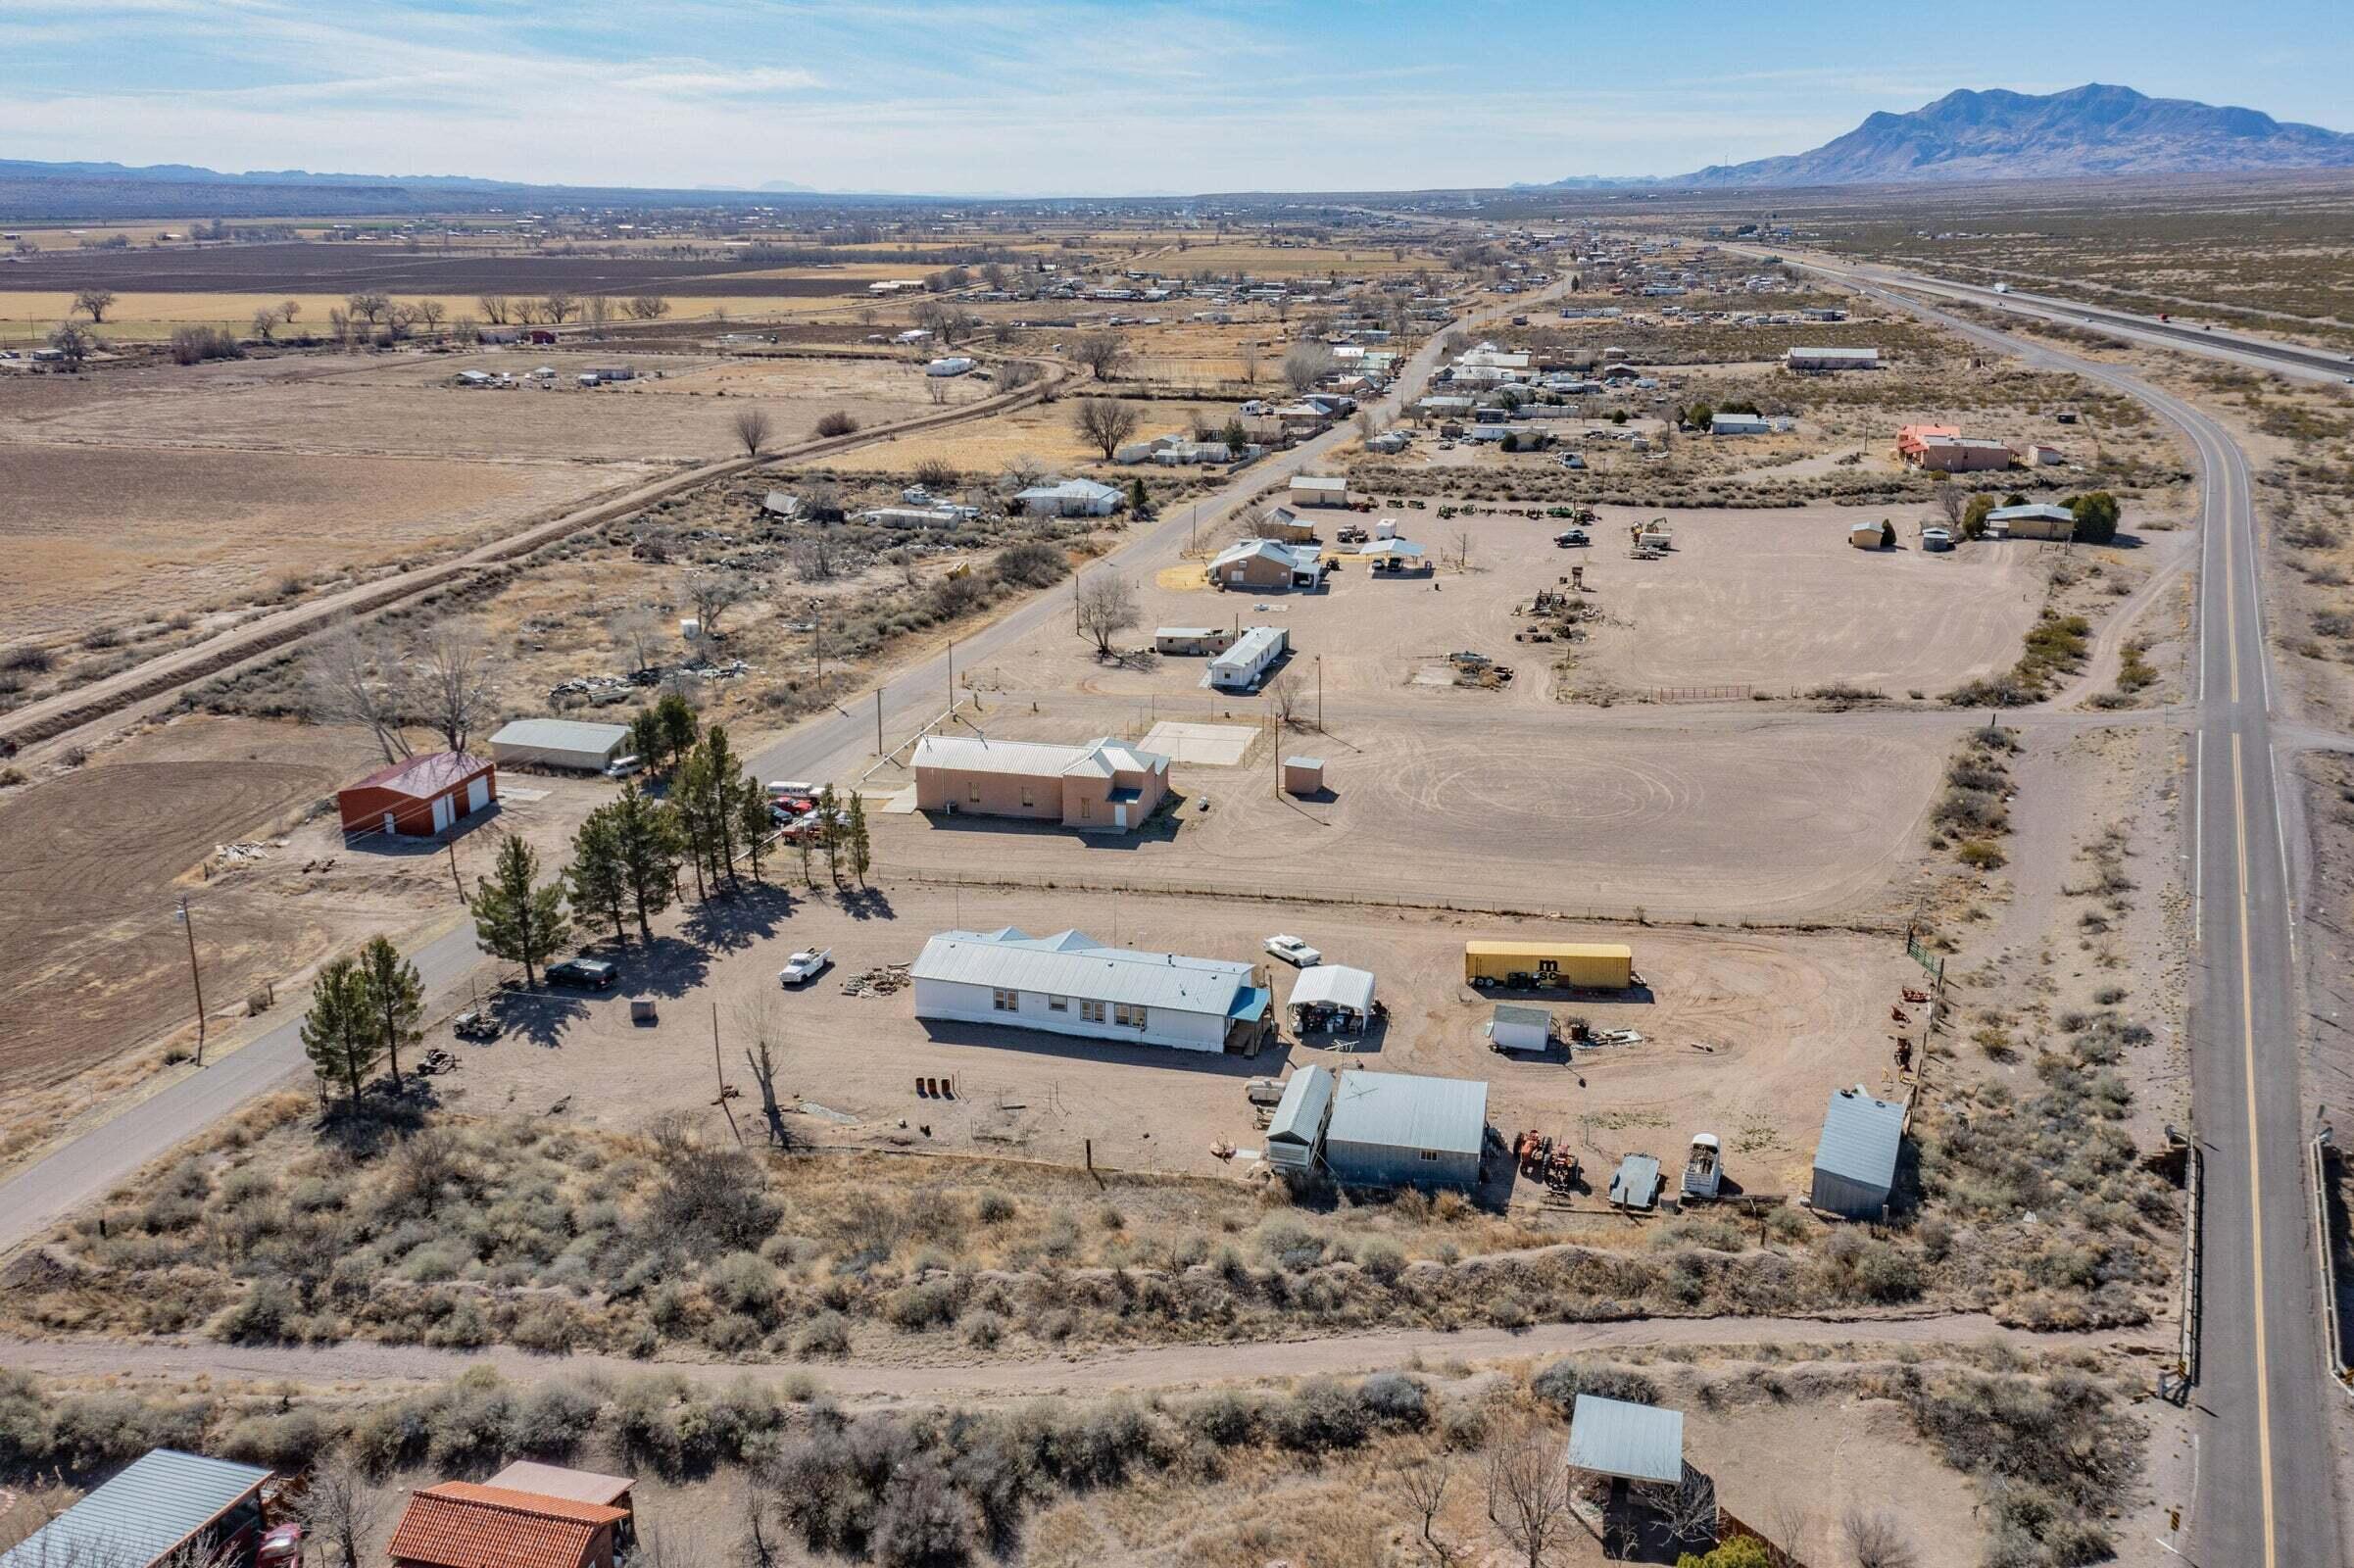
(2087, 131)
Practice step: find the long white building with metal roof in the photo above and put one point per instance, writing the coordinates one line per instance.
(1071, 984)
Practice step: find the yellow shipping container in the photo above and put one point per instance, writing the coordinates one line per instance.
(1596, 966)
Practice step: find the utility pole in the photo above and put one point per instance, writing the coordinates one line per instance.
(878, 721)
(1319, 694)
(454, 879)
(195, 978)
(952, 676)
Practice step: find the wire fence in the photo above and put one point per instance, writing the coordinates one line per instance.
(1356, 893)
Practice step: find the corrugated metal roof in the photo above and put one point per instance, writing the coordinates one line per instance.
(2038, 509)
(1513, 1012)
(423, 778)
(1299, 1115)
(972, 754)
(1406, 1110)
(1619, 1438)
(1636, 1181)
(560, 1480)
(1861, 1137)
(1548, 950)
(150, 1507)
(562, 735)
(1074, 964)
(1257, 644)
(1334, 985)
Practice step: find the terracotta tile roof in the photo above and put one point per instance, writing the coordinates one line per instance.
(459, 1524)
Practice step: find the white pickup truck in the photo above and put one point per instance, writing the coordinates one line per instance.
(805, 966)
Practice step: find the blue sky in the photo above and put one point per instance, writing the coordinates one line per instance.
(1081, 96)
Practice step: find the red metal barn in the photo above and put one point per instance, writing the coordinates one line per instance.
(420, 797)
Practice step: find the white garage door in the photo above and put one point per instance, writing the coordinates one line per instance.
(477, 793)
(445, 812)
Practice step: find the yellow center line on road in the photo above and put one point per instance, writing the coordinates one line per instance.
(2248, 1038)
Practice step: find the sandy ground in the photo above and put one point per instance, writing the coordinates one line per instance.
(1785, 1018)
(92, 864)
(99, 535)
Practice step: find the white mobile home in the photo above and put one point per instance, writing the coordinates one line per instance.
(1070, 983)
(1069, 498)
(1319, 490)
(1239, 667)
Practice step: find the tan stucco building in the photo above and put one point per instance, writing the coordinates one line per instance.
(1106, 786)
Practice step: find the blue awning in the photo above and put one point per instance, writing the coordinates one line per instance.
(1250, 1003)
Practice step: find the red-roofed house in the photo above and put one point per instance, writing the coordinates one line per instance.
(420, 796)
(459, 1524)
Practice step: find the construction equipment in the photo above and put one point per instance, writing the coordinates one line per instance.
(1703, 1168)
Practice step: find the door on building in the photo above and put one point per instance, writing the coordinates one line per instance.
(389, 828)
(445, 812)
(1119, 817)
(477, 794)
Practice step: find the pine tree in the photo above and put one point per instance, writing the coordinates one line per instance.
(595, 880)
(396, 998)
(690, 809)
(646, 738)
(646, 844)
(722, 776)
(862, 848)
(676, 716)
(514, 920)
(829, 834)
(753, 821)
(339, 1031)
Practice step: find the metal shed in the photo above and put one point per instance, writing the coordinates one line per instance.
(560, 743)
(1514, 1027)
(1303, 775)
(1626, 1441)
(1636, 1183)
(1855, 1162)
(1297, 1127)
(157, 1503)
(1394, 1129)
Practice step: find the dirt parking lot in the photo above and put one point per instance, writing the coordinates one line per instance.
(1784, 1019)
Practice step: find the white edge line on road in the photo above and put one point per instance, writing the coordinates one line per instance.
(2199, 836)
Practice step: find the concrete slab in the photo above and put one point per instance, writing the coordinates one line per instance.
(1206, 745)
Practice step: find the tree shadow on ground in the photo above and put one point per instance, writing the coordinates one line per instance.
(539, 1015)
(867, 903)
(733, 921)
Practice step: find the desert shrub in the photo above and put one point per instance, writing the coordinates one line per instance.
(285, 1440)
(1560, 1383)
(995, 1207)
(926, 1304)
(193, 345)
(1982, 855)
(1393, 1399)
(264, 1314)
(26, 658)
(1321, 1415)
(838, 422)
(1031, 565)
(743, 1282)
(553, 1418)
(827, 1334)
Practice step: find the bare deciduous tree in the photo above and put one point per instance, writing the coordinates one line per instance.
(600, 311)
(430, 313)
(1528, 1491)
(1015, 374)
(1102, 353)
(1022, 472)
(1105, 423)
(452, 687)
(349, 680)
(752, 427)
(73, 341)
(368, 306)
(1108, 607)
(1875, 1539)
(558, 305)
(1423, 1485)
(1250, 364)
(1283, 698)
(714, 594)
(95, 302)
(1305, 365)
(815, 558)
(1952, 502)
(637, 634)
(494, 308)
(648, 307)
(341, 1509)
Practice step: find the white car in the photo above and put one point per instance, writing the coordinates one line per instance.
(1292, 950)
(805, 966)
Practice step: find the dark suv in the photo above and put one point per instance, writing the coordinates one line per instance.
(594, 974)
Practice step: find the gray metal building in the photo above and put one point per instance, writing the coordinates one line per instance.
(1624, 1440)
(1394, 1129)
(162, 1501)
(1855, 1162)
(1297, 1130)
(558, 743)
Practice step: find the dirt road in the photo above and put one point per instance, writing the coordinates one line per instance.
(1167, 1367)
(53, 719)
